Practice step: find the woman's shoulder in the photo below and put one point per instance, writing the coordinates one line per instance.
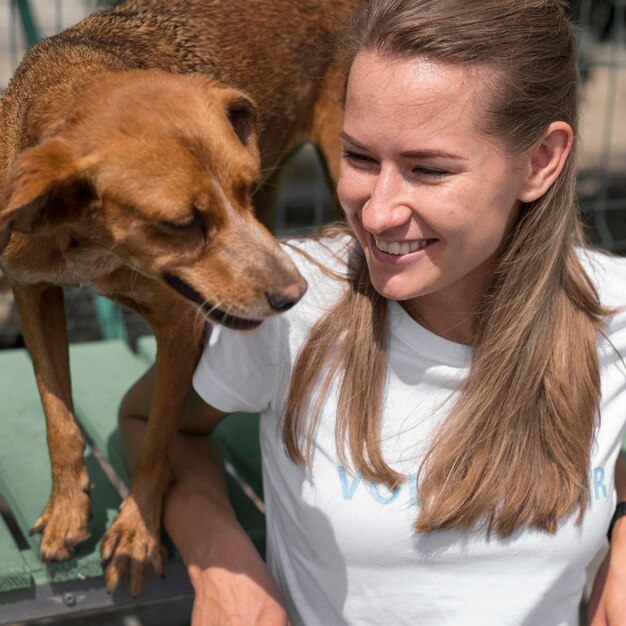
(608, 273)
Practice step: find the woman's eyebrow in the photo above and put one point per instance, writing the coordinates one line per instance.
(411, 154)
(429, 154)
(343, 135)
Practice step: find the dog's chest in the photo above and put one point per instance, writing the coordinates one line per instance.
(36, 260)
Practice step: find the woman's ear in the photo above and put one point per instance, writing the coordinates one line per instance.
(546, 161)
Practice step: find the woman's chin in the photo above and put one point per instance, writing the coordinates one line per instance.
(395, 292)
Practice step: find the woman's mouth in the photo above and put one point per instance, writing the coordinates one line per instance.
(393, 252)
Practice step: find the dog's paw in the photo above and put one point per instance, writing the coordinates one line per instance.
(130, 547)
(64, 521)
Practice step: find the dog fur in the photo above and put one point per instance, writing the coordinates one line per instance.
(129, 148)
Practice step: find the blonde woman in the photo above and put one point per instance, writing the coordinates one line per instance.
(442, 412)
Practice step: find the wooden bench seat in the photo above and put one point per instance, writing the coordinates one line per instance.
(101, 373)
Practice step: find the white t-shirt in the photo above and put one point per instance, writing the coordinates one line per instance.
(343, 550)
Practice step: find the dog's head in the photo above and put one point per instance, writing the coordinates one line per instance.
(158, 169)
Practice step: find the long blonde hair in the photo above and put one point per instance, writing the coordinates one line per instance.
(514, 450)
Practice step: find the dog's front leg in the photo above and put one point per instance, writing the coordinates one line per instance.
(133, 542)
(63, 523)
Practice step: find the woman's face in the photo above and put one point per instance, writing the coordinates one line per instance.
(429, 197)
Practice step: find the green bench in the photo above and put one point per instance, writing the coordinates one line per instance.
(101, 373)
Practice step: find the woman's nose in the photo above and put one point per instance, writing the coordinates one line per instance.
(388, 205)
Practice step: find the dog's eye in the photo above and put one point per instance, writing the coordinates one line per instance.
(242, 114)
(195, 222)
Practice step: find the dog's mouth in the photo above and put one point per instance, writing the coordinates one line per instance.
(228, 320)
(217, 315)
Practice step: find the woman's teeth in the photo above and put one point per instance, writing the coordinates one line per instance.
(400, 248)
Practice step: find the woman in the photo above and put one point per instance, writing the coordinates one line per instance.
(432, 447)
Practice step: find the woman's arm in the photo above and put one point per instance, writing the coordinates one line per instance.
(230, 579)
(607, 604)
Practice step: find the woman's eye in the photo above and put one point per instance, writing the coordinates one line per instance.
(356, 157)
(429, 172)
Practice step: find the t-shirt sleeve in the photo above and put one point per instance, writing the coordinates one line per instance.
(246, 371)
(239, 371)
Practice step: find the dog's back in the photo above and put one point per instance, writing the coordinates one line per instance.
(277, 51)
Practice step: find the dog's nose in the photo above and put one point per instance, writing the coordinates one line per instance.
(283, 300)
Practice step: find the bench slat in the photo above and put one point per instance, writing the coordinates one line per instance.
(102, 372)
(238, 438)
(25, 468)
(146, 348)
(15, 573)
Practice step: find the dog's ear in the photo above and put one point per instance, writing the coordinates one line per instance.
(46, 187)
(243, 116)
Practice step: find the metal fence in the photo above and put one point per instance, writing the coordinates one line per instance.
(304, 201)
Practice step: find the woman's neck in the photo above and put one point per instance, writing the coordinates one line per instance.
(453, 323)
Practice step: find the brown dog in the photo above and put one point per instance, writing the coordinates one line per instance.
(128, 153)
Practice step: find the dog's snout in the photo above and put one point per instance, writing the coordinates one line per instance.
(284, 299)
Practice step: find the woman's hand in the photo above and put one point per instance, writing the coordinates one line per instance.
(227, 600)
(607, 603)
(240, 593)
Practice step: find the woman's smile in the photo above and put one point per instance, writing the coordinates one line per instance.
(399, 252)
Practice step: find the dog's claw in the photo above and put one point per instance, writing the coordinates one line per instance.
(129, 548)
(138, 577)
(63, 524)
(107, 549)
(115, 572)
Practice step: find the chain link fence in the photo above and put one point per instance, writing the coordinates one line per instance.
(304, 200)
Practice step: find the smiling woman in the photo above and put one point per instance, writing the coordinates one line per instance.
(450, 389)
